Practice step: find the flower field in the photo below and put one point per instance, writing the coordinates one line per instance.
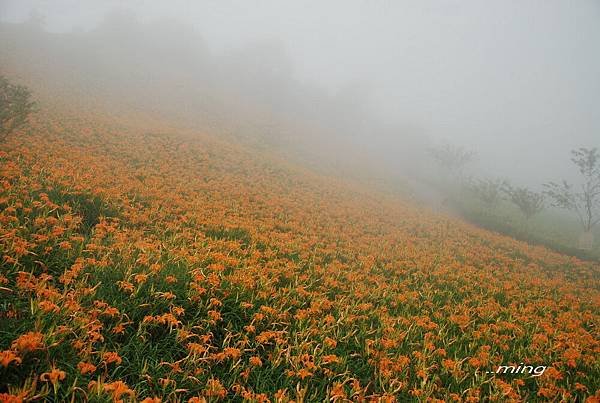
(146, 264)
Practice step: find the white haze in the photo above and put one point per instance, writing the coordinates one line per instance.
(516, 81)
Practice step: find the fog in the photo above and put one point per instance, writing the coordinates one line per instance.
(345, 82)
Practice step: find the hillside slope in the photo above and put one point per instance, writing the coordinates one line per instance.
(141, 263)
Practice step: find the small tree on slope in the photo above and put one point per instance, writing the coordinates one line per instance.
(585, 202)
(452, 159)
(489, 191)
(15, 107)
(528, 201)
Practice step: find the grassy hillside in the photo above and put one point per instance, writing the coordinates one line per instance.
(139, 263)
(551, 228)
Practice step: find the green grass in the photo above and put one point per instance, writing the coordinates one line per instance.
(554, 229)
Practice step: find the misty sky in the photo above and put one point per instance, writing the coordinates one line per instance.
(518, 81)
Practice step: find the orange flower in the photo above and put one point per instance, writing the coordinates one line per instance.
(571, 355)
(214, 315)
(475, 362)
(110, 356)
(232, 352)
(48, 306)
(304, 373)
(8, 356)
(215, 388)
(140, 278)
(196, 348)
(328, 359)
(338, 391)
(255, 361)
(30, 341)
(8, 398)
(117, 389)
(329, 342)
(449, 364)
(178, 311)
(166, 295)
(65, 245)
(86, 368)
(54, 376)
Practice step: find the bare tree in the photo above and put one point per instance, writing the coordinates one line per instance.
(585, 202)
(529, 202)
(15, 107)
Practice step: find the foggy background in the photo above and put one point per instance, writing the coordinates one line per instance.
(516, 81)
